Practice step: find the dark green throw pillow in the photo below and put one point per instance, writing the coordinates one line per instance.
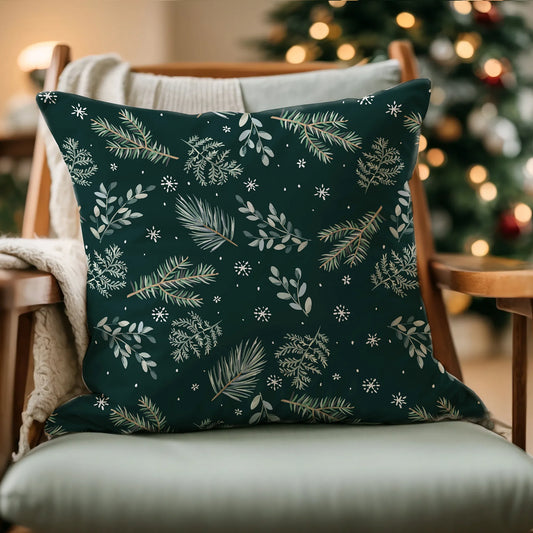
(251, 268)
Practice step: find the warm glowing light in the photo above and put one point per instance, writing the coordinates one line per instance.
(483, 6)
(405, 20)
(36, 56)
(477, 174)
(422, 143)
(493, 68)
(337, 3)
(464, 49)
(295, 54)
(462, 7)
(456, 302)
(529, 166)
(423, 171)
(319, 30)
(488, 191)
(480, 248)
(522, 213)
(438, 95)
(435, 157)
(346, 52)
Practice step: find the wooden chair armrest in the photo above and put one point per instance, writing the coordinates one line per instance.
(491, 277)
(25, 290)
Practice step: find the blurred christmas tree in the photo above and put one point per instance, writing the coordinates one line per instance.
(476, 151)
(12, 196)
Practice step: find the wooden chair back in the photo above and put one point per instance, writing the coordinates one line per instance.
(37, 219)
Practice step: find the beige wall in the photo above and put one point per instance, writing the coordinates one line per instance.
(141, 31)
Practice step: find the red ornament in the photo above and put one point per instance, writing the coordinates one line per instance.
(490, 18)
(508, 226)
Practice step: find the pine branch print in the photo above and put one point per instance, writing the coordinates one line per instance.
(352, 240)
(149, 419)
(111, 212)
(125, 339)
(294, 289)
(447, 409)
(208, 226)
(236, 375)
(399, 273)
(52, 429)
(302, 356)
(208, 161)
(130, 140)
(413, 122)
(106, 273)
(419, 414)
(282, 235)
(172, 279)
(319, 131)
(193, 336)
(415, 336)
(325, 409)
(379, 167)
(247, 138)
(79, 162)
(447, 412)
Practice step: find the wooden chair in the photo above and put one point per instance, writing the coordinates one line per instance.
(22, 292)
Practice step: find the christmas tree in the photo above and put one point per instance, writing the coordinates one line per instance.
(476, 154)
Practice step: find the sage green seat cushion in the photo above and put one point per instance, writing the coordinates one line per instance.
(438, 477)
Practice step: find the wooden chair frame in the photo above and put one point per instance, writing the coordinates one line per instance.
(22, 292)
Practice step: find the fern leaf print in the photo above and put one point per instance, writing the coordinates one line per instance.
(397, 273)
(79, 162)
(106, 272)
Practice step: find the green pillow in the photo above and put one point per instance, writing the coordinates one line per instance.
(251, 268)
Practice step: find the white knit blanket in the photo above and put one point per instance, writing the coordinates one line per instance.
(61, 337)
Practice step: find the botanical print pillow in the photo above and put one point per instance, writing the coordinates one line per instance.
(251, 268)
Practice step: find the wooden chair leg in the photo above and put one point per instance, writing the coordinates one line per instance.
(519, 379)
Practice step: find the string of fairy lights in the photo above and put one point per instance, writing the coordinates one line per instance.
(492, 70)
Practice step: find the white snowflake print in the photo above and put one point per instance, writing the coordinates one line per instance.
(195, 386)
(262, 314)
(322, 192)
(48, 97)
(274, 382)
(346, 280)
(79, 111)
(336, 376)
(373, 340)
(341, 313)
(226, 129)
(101, 402)
(217, 299)
(153, 234)
(238, 412)
(301, 163)
(242, 268)
(371, 385)
(394, 108)
(367, 100)
(113, 166)
(251, 185)
(160, 314)
(168, 183)
(398, 400)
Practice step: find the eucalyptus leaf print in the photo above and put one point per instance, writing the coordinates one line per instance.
(171, 282)
(112, 213)
(302, 356)
(208, 161)
(149, 418)
(254, 138)
(281, 234)
(236, 375)
(352, 240)
(293, 289)
(381, 166)
(402, 218)
(79, 162)
(125, 338)
(318, 131)
(208, 226)
(106, 272)
(415, 336)
(397, 273)
(264, 413)
(130, 140)
(193, 336)
(329, 410)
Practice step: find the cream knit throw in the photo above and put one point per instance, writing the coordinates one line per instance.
(61, 331)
